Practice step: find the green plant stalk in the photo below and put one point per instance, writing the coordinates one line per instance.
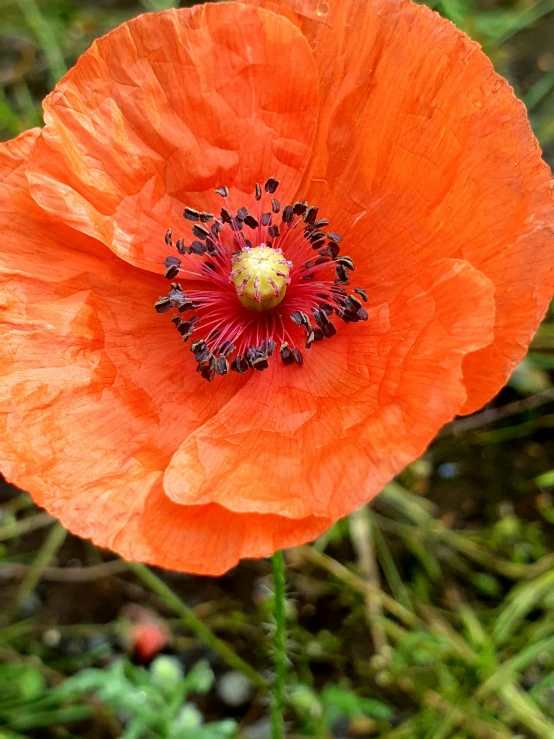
(25, 526)
(509, 669)
(421, 513)
(279, 647)
(45, 37)
(386, 560)
(198, 628)
(526, 711)
(47, 552)
(340, 572)
(519, 602)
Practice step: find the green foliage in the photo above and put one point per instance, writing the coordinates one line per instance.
(151, 703)
(341, 702)
(148, 703)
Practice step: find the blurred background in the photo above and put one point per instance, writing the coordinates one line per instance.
(429, 614)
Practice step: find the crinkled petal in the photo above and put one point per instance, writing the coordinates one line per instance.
(423, 152)
(323, 438)
(168, 107)
(208, 539)
(96, 392)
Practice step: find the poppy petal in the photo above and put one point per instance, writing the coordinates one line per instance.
(381, 390)
(93, 401)
(524, 281)
(168, 107)
(423, 152)
(207, 539)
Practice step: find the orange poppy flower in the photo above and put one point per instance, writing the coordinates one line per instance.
(320, 365)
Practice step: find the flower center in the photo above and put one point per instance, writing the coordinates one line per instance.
(260, 276)
(256, 280)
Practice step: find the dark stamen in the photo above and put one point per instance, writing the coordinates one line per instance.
(200, 232)
(286, 354)
(251, 222)
(268, 346)
(259, 362)
(256, 358)
(189, 214)
(221, 366)
(163, 304)
(240, 365)
(211, 247)
(202, 355)
(315, 235)
(329, 330)
(197, 247)
(271, 185)
(170, 261)
(208, 372)
(352, 303)
(342, 275)
(346, 262)
(321, 318)
(287, 214)
(171, 272)
(198, 345)
(186, 328)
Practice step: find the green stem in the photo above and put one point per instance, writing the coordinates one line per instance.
(280, 651)
(46, 38)
(47, 552)
(198, 628)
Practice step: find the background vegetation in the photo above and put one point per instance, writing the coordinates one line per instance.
(429, 614)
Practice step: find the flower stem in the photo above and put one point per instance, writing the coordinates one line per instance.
(280, 652)
(198, 628)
